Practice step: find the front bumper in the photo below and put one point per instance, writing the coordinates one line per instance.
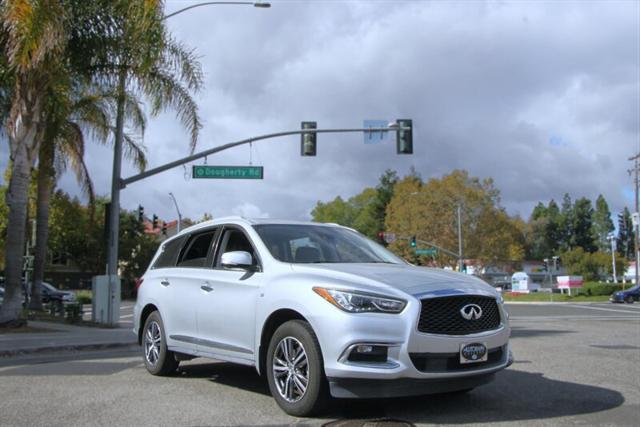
(403, 374)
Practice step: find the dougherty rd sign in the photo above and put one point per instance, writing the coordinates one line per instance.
(228, 172)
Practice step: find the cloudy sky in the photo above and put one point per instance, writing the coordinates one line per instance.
(543, 96)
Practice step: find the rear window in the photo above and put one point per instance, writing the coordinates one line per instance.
(169, 254)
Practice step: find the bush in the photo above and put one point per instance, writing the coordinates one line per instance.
(73, 312)
(599, 288)
(83, 297)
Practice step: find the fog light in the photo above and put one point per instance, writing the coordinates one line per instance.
(368, 353)
(364, 349)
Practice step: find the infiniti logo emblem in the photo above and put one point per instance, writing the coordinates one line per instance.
(471, 312)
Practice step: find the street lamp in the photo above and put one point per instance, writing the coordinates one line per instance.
(612, 238)
(177, 209)
(259, 4)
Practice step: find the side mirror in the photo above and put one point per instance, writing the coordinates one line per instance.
(237, 259)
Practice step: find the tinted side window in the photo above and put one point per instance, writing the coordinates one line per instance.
(195, 253)
(169, 255)
(235, 240)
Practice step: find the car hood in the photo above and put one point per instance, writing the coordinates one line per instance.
(417, 281)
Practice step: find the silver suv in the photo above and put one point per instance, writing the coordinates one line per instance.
(318, 309)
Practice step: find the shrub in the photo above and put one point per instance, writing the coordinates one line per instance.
(73, 312)
(599, 288)
(83, 297)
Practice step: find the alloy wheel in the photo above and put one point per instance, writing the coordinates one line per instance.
(290, 369)
(152, 342)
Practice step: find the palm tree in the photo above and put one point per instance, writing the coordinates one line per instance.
(67, 124)
(134, 51)
(32, 50)
(117, 46)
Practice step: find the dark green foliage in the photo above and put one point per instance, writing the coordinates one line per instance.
(599, 288)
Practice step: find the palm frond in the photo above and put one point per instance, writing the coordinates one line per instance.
(72, 143)
(134, 151)
(165, 92)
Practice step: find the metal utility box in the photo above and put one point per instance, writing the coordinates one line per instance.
(105, 303)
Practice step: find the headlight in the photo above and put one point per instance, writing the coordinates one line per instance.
(356, 302)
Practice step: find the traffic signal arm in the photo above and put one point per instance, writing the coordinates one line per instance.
(205, 153)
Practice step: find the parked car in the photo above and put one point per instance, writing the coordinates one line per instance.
(629, 296)
(318, 309)
(51, 293)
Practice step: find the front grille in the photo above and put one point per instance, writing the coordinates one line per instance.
(450, 362)
(442, 315)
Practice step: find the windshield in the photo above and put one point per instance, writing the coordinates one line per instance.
(304, 244)
(49, 287)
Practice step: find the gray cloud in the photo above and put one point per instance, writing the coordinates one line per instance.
(488, 85)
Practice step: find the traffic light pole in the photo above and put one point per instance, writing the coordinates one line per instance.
(205, 153)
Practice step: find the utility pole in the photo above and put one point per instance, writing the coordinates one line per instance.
(460, 259)
(636, 183)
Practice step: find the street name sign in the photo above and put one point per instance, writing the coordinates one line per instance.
(430, 251)
(228, 172)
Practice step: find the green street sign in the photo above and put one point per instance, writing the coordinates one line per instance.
(430, 251)
(228, 172)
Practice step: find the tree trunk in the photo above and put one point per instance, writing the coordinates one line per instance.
(45, 184)
(17, 197)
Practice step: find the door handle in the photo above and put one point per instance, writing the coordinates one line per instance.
(206, 288)
(165, 282)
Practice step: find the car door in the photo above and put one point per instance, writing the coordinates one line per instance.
(183, 285)
(226, 309)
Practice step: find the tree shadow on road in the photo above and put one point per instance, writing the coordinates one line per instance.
(513, 396)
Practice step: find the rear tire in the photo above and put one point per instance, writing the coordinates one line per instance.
(295, 370)
(157, 358)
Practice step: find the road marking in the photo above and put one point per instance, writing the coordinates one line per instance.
(600, 308)
(569, 317)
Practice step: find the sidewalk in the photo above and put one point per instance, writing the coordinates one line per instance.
(61, 337)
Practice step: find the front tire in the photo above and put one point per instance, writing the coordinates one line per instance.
(295, 369)
(629, 300)
(157, 358)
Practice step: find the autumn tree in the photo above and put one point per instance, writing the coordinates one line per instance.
(428, 211)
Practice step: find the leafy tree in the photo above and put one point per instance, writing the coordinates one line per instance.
(384, 194)
(602, 224)
(337, 211)
(583, 225)
(68, 117)
(428, 211)
(567, 220)
(591, 266)
(544, 235)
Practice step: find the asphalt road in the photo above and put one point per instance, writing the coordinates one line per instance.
(575, 364)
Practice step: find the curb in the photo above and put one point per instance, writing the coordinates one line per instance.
(67, 348)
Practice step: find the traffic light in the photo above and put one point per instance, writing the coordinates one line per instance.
(381, 237)
(154, 223)
(413, 242)
(164, 228)
(308, 140)
(545, 265)
(140, 213)
(404, 138)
